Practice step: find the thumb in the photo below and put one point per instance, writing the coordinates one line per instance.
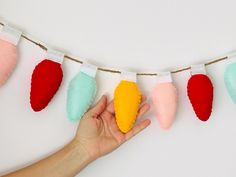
(99, 107)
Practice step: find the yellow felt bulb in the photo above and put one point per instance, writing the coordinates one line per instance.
(127, 99)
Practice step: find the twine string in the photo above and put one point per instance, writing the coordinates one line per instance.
(43, 47)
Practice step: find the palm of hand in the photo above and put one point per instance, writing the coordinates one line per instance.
(98, 131)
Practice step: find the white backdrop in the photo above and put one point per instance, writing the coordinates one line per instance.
(137, 35)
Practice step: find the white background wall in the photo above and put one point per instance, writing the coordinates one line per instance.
(141, 35)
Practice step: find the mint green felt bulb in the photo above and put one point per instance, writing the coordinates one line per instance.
(230, 80)
(81, 93)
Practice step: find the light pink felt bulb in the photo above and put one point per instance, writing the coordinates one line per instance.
(165, 100)
(9, 38)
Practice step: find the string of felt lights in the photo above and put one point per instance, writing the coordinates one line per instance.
(48, 74)
(42, 46)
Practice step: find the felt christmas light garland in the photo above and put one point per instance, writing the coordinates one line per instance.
(48, 74)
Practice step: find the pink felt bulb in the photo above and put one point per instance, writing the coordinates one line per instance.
(9, 38)
(165, 102)
(8, 60)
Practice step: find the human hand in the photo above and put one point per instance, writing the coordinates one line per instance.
(98, 132)
(97, 135)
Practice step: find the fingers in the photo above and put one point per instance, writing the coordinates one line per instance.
(99, 107)
(143, 109)
(138, 128)
(143, 98)
(110, 107)
(142, 125)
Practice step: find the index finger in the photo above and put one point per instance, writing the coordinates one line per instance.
(137, 129)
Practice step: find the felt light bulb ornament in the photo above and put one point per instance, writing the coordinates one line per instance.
(230, 77)
(164, 97)
(46, 79)
(81, 92)
(200, 92)
(127, 99)
(9, 38)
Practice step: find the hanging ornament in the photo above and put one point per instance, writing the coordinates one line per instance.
(200, 92)
(165, 100)
(9, 38)
(81, 92)
(230, 78)
(127, 99)
(46, 79)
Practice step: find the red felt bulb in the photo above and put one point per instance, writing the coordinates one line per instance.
(200, 93)
(46, 79)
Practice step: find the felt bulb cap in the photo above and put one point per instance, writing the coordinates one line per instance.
(164, 98)
(80, 96)
(200, 93)
(127, 99)
(230, 80)
(46, 79)
(8, 60)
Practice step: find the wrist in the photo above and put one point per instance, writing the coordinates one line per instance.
(79, 148)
